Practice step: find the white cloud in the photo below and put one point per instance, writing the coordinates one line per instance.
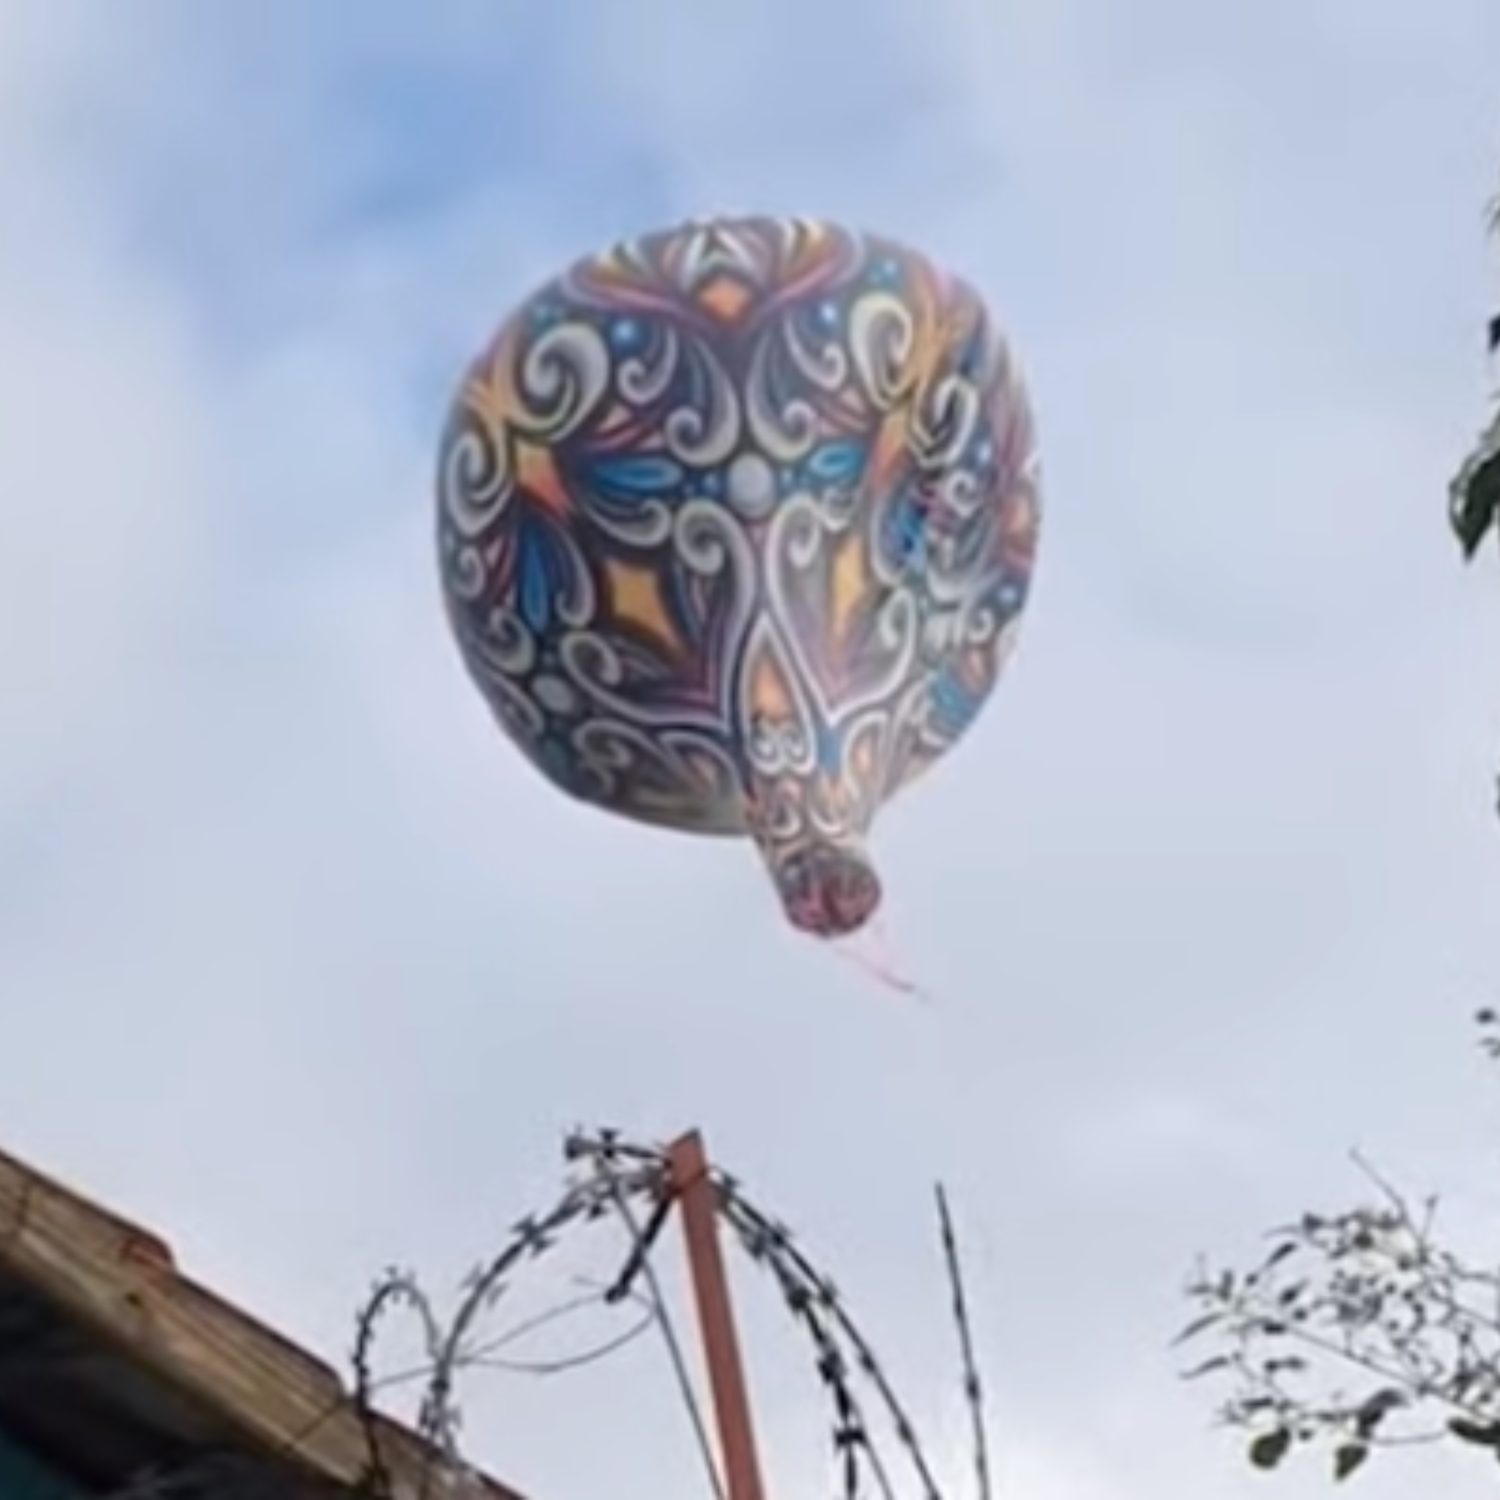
(309, 970)
(101, 536)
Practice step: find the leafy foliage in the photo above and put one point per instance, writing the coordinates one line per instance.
(1474, 502)
(1475, 505)
(1358, 1330)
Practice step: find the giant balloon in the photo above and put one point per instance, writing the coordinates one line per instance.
(736, 523)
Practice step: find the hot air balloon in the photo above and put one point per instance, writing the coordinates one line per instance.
(736, 523)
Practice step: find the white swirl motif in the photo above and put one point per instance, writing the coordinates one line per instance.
(576, 603)
(775, 747)
(787, 432)
(943, 421)
(565, 373)
(882, 335)
(828, 811)
(505, 643)
(498, 658)
(474, 479)
(643, 383)
(796, 540)
(939, 634)
(910, 717)
(898, 628)
(705, 433)
(593, 663)
(690, 776)
(714, 771)
(842, 807)
(466, 576)
(648, 524)
(779, 812)
(841, 507)
(875, 725)
(979, 620)
(797, 533)
(961, 491)
(711, 543)
(827, 367)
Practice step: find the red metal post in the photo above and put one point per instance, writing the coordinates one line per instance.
(721, 1347)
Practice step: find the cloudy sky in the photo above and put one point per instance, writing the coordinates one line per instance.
(301, 965)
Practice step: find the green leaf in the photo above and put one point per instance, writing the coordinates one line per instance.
(1197, 1326)
(1348, 1458)
(1481, 1434)
(1474, 505)
(1270, 1448)
(1377, 1408)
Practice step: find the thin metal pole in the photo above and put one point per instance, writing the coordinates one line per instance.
(697, 1198)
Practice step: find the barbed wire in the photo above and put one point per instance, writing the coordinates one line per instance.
(973, 1385)
(439, 1418)
(769, 1242)
(623, 1174)
(639, 1264)
(631, 1184)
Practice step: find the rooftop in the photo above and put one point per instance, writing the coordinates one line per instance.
(116, 1369)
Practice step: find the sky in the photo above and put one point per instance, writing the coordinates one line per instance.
(304, 968)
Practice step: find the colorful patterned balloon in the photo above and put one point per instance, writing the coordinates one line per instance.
(736, 524)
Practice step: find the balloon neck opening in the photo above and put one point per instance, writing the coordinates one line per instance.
(828, 889)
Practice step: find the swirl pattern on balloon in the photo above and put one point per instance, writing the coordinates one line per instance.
(736, 521)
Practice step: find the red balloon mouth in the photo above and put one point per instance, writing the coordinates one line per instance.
(828, 890)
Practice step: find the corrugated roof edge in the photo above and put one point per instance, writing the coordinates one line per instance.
(123, 1283)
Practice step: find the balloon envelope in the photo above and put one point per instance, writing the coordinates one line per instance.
(736, 521)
